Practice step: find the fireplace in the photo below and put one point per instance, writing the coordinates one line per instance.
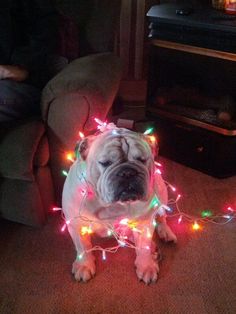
(192, 86)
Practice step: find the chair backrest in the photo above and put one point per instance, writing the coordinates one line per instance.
(68, 43)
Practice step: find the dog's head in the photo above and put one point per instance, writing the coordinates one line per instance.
(120, 165)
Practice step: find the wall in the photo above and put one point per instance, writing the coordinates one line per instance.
(127, 35)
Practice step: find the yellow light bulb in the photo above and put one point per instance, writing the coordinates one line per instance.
(86, 230)
(195, 226)
(152, 138)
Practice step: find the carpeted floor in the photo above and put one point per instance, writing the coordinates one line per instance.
(198, 275)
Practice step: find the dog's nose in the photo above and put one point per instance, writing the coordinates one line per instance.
(127, 172)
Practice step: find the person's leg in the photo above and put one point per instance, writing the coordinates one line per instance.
(18, 100)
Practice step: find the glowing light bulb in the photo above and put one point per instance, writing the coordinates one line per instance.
(86, 230)
(195, 226)
(56, 209)
(206, 213)
(178, 197)
(63, 228)
(65, 173)
(154, 223)
(148, 233)
(109, 233)
(80, 256)
(122, 243)
(98, 121)
(148, 131)
(172, 187)
(124, 221)
(158, 164)
(65, 225)
(158, 171)
(69, 156)
(155, 202)
(230, 209)
(104, 255)
(132, 224)
(147, 247)
(166, 207)
(81, 135)
(101, 125)
(152, 139)
(180, 219)
(226, 216)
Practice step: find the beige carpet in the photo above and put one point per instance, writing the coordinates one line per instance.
(198, 275)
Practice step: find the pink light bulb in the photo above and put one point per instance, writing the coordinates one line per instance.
(178, 197)
(180, 219)
(173, 188)
(63, 228)
(158, 171)
(56, 209)
(104, 255)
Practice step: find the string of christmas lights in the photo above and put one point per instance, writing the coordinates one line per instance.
(121, 228)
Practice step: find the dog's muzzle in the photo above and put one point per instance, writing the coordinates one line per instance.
(128, 184)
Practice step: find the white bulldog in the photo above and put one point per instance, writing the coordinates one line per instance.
(113, 187)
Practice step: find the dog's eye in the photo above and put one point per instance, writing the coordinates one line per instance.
(141, 159)
(105, 163)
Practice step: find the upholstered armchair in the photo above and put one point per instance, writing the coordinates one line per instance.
(32, 152)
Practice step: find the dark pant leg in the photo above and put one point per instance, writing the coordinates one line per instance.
(18, 100)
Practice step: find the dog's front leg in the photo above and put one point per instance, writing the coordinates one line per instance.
(83, 267)
(164, 231)
(145, 262)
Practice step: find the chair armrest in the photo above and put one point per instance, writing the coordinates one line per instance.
(18, 147)
(95, 77)
(83, 90)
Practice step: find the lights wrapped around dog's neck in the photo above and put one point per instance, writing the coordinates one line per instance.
(158, 209)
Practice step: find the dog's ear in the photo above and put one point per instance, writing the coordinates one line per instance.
(152, 140)
(82, 147)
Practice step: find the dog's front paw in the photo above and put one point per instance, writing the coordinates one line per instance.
(147, 269)
(84, 269)
(165, 233)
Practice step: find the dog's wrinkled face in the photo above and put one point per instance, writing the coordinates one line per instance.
(120, 165)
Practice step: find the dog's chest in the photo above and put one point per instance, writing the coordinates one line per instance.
(121, 218)
(114, 213)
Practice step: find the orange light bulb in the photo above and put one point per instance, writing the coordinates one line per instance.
(69, 156)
